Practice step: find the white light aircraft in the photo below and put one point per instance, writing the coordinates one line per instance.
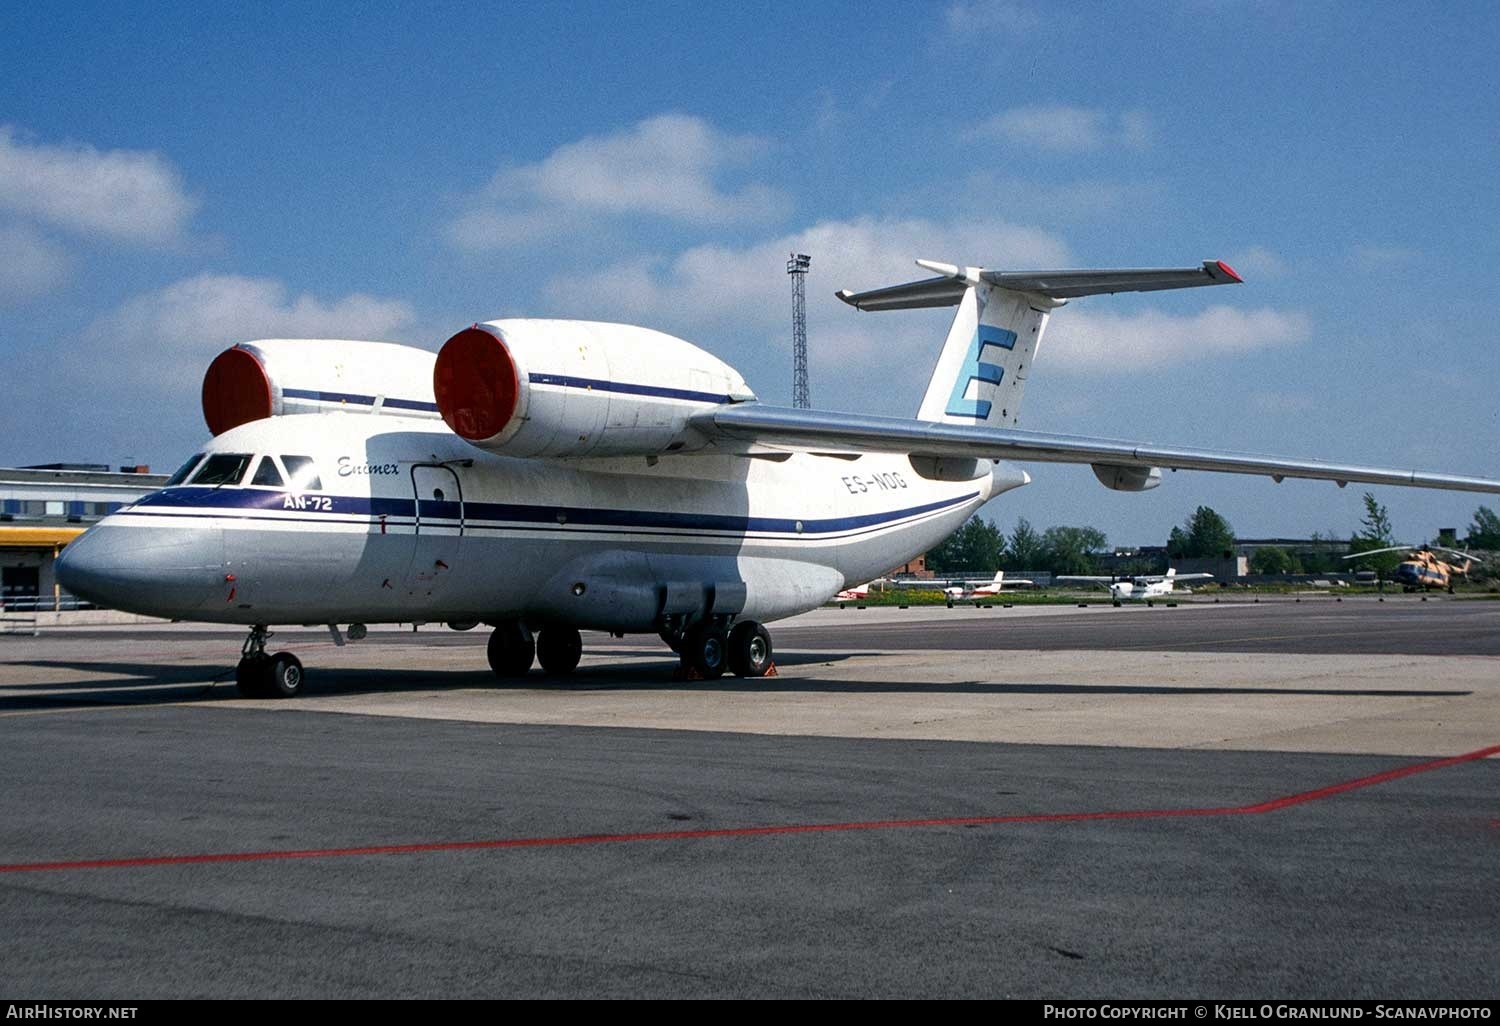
(542, 476)
(1140, 587)
(986, 589)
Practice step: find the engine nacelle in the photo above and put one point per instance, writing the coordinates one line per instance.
(578, 388)
(271, 377)
(1127, 479)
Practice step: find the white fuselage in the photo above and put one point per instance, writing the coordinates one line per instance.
(1134, 591)
(412, 523)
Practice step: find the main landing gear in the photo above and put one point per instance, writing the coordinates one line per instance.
(259, 675)
(707, 650)
(513, 648)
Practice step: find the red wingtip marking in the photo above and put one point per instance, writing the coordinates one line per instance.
(1229, 271)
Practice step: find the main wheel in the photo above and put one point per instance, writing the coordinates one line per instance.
(511, 649)
(558, 649)
(284, 676)
(706, 649)
(252, 677)
(749, 649)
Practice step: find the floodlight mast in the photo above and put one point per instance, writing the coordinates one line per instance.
(797, 267)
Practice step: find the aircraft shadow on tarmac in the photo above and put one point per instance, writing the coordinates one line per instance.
(153, 684)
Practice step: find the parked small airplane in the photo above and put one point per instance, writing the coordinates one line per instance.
(962, 590)
(858, 593)
(1138, 588)
(1422, 569)
(954, 588)
(543, 476)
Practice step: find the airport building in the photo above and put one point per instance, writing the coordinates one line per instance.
(42, 509)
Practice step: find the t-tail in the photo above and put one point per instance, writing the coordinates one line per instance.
(996, 334)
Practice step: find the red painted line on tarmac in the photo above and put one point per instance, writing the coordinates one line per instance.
(1259, 808)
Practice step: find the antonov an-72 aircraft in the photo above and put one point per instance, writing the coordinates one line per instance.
(542, 476)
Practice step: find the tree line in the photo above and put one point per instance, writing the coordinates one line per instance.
(980, 546)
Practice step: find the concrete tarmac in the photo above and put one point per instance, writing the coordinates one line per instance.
(910, 809)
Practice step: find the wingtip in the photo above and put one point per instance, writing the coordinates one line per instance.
(847, 296)
(1219, 268)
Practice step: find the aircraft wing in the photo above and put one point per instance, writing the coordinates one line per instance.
(1189, 577)
(1083, 579)
(755, 426)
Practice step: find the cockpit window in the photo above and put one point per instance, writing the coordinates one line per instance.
(183, 471)
(266, 474)
(223, 468)
(304, 473)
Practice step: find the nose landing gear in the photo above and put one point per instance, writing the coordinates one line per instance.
(259, 675)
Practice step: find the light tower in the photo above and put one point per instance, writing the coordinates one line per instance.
(797, 267)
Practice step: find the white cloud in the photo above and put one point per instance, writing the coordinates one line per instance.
(1061, 128)
(968, 17)
(1087, 341)
(30, 264)
(1257, 262)
(1371, 257)
(171, 334)
(711, 286)
(128, 195)
(670, 166)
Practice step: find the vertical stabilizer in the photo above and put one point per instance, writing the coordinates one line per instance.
(981, 374)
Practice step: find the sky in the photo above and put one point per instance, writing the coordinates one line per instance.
(178, 178)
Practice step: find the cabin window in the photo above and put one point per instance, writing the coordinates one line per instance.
(304, 473)
(184, 470)
(267, 475)
(223, 468)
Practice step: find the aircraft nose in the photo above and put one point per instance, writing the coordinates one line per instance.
(158, 573)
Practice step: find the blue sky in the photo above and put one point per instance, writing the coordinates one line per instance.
(173, 181)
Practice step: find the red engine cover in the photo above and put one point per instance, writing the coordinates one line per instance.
(476, 384)
(236, 391)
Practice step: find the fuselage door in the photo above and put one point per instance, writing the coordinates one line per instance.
(440, 524)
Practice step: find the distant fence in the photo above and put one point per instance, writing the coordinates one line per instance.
(24, 604)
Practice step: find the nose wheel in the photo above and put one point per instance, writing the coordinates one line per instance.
(259, 675)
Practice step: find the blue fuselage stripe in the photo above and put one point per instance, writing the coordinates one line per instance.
(600, 385)
(212, 500)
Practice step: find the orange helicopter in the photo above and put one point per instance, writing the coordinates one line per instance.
(1422, 569)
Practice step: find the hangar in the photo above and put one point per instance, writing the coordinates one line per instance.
(43, 508)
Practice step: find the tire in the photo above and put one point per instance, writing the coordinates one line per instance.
(707, 651)
(252, 677)
(511, 649)
(284, 676)
(558, 649)
(749, 649)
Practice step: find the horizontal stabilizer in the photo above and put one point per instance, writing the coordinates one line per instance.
(948, 289)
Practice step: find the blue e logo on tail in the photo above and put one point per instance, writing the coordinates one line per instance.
(974, 370)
